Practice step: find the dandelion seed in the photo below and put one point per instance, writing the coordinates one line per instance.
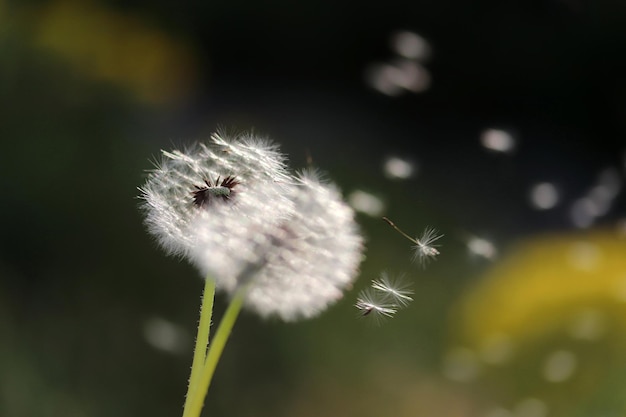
(375, 304)
(384, 298)
(395, 288)
(424, 249)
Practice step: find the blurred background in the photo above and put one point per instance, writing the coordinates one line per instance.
(500, 124)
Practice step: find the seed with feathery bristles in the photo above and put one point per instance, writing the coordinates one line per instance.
(424, 249)
(373, 303)
(395, 288)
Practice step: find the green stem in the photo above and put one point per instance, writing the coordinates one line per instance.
(194, 408)
(202, 339)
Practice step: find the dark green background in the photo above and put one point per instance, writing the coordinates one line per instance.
(79, 276)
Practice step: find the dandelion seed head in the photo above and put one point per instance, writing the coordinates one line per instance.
(305, 259)
(232, 209)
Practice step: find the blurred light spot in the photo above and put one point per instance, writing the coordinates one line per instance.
(542, 283)
(498, 412)
(544, 196)
(460, 364)
(395, 79)
(559, 366)
(398, 168)
(584, 256)
(531, 407)
(101, 43)
(410, 45)
(478, 246)
(497, 140)
(380, 78)
(366, 203)
(497, 349)
(588, 324)
(611, 182)
(601, 193)
(164, 335)
(415, 78)
(582, 213)
(600, 200)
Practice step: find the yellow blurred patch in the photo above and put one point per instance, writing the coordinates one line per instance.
(110, 46)
(548, 282)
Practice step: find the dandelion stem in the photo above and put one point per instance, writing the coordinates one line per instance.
(202, 339)
(195, 404)
(392, 224)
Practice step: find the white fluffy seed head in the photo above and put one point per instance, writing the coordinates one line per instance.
(292, 240)
(297, 265)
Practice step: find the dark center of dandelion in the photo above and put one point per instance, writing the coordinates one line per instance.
(219, 189)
